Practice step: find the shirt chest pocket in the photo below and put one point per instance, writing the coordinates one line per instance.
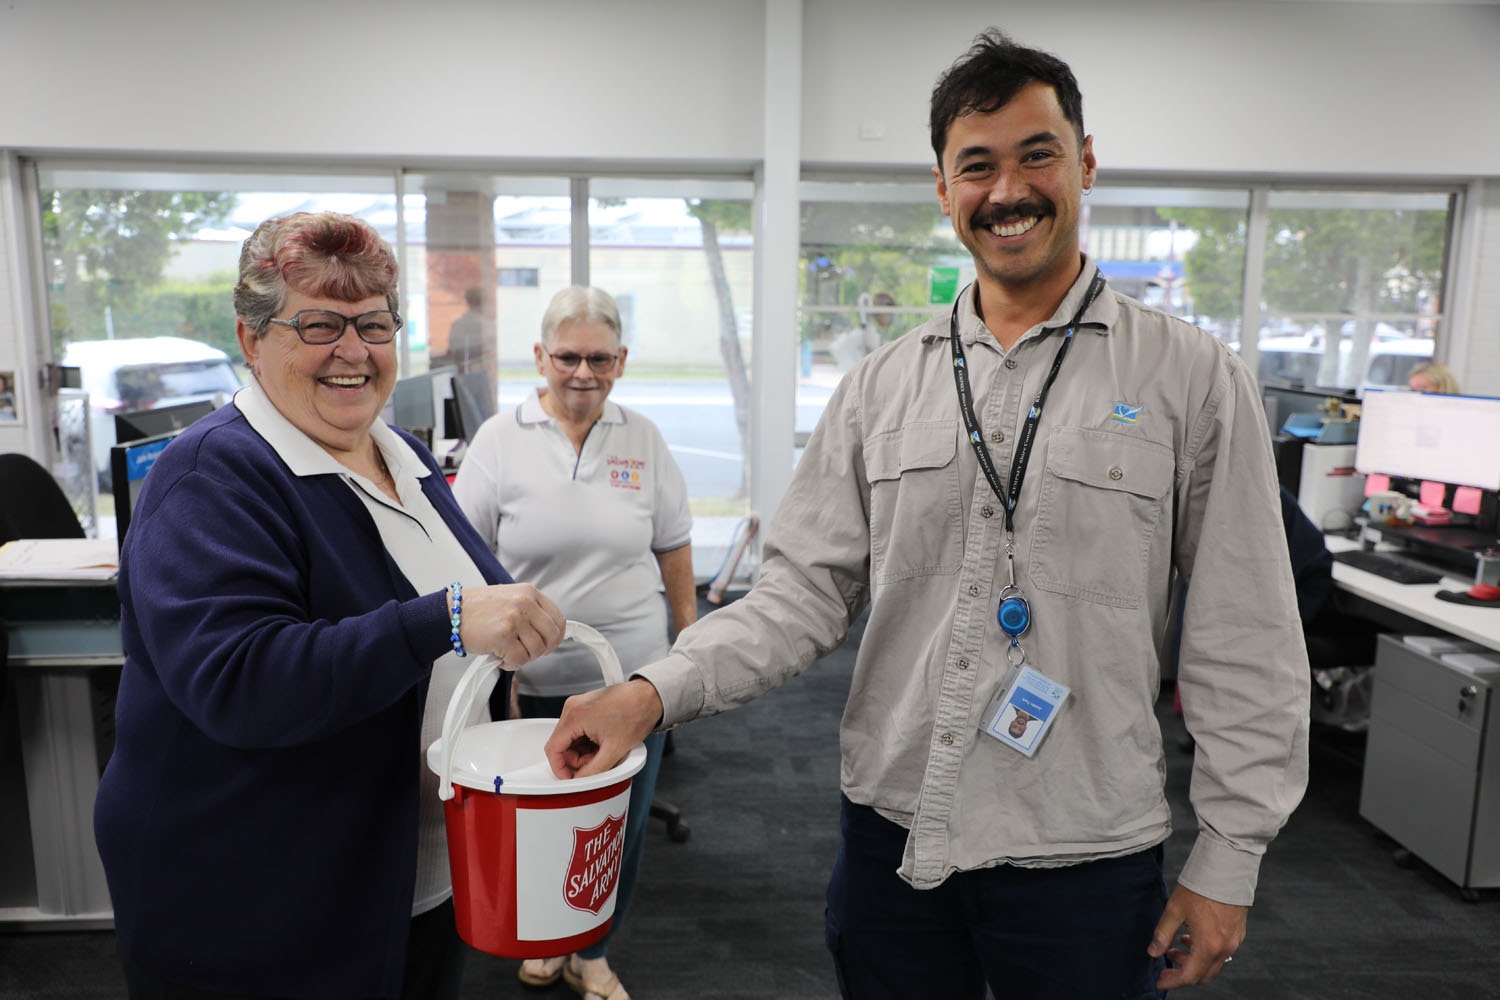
(1101, 503)
(916, 527)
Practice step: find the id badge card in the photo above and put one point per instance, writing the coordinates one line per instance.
(1025, 710)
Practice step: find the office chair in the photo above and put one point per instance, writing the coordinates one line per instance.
(663, 810)
(32, 505)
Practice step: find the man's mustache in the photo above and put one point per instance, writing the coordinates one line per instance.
(993, 215)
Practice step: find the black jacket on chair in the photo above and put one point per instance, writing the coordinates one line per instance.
(32, 505)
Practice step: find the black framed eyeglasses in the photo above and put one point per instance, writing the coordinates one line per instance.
(324, 326)
(567, 361)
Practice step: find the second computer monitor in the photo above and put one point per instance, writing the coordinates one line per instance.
(475, 401)
(129, 463)
(417, 400)
(159, 420)
(1418, 435)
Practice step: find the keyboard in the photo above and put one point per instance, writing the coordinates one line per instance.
(1389, 566)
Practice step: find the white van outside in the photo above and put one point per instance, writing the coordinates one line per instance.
(142, 373)
(1297, 359)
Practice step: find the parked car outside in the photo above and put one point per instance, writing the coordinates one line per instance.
(142, 373)
(1393, 361)
(1297, 360)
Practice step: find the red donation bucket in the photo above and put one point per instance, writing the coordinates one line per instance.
(535, 859)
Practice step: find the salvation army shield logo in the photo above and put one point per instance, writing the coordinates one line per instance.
(595, 865)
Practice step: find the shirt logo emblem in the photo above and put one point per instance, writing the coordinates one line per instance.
(1126, 414)
(625, 473)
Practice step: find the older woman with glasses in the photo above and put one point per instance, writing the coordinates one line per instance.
(298, 587)
(581, 497)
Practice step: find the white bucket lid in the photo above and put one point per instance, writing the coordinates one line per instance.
(512, 751)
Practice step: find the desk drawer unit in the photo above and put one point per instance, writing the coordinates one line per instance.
(1432, 771)
(64, 668)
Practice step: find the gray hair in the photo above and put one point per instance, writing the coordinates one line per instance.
(580, 303)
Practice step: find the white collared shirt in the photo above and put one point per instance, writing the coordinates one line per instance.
(428, 555)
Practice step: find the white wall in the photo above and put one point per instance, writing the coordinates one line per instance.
(418, 79)
(1195, 86)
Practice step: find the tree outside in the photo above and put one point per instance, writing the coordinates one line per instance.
(1329, 274)
(106, 251)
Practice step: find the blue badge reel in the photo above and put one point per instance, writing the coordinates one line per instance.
(1014, 614)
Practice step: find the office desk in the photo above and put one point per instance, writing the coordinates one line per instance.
(1432, 758)
(1417, 602)
(65, 658)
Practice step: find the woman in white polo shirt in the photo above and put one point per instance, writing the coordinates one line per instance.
(581, 498)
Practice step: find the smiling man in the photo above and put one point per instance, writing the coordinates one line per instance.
(1012, 489)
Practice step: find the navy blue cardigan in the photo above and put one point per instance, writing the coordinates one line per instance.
(258, 818)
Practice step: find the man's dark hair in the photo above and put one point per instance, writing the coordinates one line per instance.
(993, 71)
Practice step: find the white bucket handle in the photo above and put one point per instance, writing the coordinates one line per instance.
(462, 702)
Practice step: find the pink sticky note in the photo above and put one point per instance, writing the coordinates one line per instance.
(1466, 499)
(1377, 483)
(1432, 494)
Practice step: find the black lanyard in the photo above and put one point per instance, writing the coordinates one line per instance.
(1028, 429)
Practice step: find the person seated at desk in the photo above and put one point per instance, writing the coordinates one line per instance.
(1312, 563)
(1334, 637)
(1433, 377)
(297, 588)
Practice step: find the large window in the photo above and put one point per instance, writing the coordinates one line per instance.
(1352, 286)
(1337, 287)
(1152, 243)
(1343, 289)
(878, 258)
(140, 269)
(678, 256)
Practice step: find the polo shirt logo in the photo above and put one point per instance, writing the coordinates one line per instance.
(625, 473)
(1126, 414)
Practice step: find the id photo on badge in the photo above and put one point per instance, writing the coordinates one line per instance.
(1020, 725)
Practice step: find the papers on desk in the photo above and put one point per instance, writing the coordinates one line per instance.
(1437, 645)
(59, 559)
(1481, 664)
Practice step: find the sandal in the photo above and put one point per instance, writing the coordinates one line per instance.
(606, 986)
(542, 972)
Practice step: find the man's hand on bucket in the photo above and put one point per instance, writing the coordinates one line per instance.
(599, 728)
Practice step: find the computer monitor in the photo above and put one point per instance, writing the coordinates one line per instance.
(475, 403)
(1283, 402)
(1438, 438)
(159, 420)
(417, 400)
(128, 465)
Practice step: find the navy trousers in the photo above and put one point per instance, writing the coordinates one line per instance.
(1073, 933)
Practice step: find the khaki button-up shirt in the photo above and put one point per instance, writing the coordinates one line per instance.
(1153, 453)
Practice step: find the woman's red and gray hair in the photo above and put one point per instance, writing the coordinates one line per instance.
(322, 254)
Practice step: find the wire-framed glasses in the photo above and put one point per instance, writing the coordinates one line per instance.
(567, 361)
(324, 326)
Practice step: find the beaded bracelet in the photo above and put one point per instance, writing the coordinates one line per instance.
(456, 617)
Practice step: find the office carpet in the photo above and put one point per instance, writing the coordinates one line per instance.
(736, 910)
